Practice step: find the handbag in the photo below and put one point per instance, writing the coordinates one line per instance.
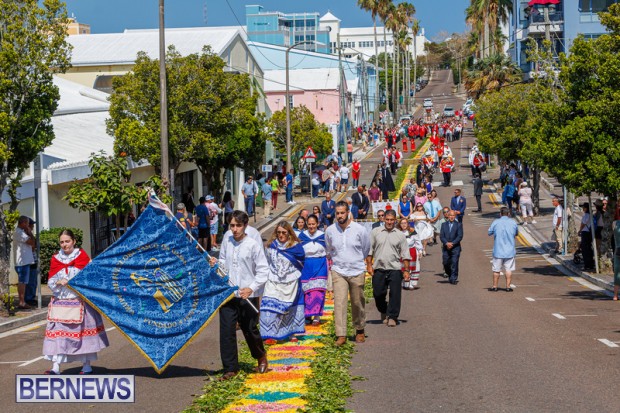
(70, 311)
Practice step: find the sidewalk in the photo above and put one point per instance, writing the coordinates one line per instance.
(542, 230)
(25, 317)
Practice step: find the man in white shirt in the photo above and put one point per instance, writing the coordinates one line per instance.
(24, 257)
(348, 244)
(245, 263)
(344, 177)
(558, 218)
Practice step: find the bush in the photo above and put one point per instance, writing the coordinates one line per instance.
(48, 241)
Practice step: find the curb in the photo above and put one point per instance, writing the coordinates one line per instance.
(23, 321)
(564, 262)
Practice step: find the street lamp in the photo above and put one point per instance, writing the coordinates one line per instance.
(289, 164)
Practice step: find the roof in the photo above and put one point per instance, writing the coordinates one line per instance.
(76, 98)
(122, 48)
(329, 17)
(302, 79)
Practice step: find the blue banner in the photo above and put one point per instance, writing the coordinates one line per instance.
(154, 286)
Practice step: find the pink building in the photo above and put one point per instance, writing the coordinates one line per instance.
(317, 89)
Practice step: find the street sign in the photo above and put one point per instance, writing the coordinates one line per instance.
(309, 155)
(266, 168)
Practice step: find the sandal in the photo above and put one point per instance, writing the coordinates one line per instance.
(494, 289)
(509, 290)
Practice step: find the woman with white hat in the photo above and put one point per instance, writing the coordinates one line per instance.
(525, 203)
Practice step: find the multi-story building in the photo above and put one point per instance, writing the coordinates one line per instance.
(567, 20)
(286, 29)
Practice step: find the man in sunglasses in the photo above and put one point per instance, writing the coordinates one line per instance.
(381, 217)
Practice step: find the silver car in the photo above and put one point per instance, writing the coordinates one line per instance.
(448, 112)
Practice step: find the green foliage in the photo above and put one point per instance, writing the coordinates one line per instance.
(305, 131)
(492, 73)
(32, 49)
(211, 114)
(219, 394)
(401, 175)
(49, 246)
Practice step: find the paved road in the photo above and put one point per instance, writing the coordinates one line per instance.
(465, 349)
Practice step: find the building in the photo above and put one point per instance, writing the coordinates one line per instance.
(360, 41)
(75, 28)
(567, 20)
(286, 29)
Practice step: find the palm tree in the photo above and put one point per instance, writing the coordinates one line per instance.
(406, 11)
(492, 73)
(475, 19)
(373, 7)
(385, 10)
(415, 29)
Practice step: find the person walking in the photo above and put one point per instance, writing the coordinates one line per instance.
(314, 274)
(356, 169)
(328, 206)
(451, 236)
(214, 211)
(458, 204)
(347, 245)
(558, 226)
(504, 229)
(267, 195)
(288, 181)
(586, 239)
(388, 248)
(282, 305)
(245, 263)
(478, 183)
(349, 152)
(525, 203)
(74, 331)
(203, 215)
(249, 193)
(275, 191)
(24, 258)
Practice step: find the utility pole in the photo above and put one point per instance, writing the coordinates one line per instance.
(343, 128)
(163, 100)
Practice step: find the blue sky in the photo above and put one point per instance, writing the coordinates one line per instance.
(116, 15)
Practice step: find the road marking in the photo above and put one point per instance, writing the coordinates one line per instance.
(549, 299)
(22, 329)
(559, 316)
(31, 361)
(11, 362)
(529, 299)
(110, 329)
(528, 285)
(608, 343)
(581, 315)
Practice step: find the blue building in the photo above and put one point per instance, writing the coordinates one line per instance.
(567, 20)
(286, 29)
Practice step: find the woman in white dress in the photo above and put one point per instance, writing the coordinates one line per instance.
(422, 226)
(415, 249)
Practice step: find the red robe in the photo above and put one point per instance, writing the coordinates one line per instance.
(405, 144)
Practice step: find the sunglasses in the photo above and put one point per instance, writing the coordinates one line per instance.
(282, 232)
(380, 216)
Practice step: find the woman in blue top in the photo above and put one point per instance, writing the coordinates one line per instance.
(314, 274)
(508, 194)
(404, 207)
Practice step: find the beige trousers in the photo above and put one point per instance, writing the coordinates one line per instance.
(345, 287)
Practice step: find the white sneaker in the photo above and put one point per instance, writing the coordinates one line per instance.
(534, 222)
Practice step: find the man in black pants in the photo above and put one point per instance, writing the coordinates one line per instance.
(388, 246)
(244, 260)
(477, 181)
(451, 236)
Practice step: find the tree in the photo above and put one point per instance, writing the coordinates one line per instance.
(492, 73)
(373, 7)
(211, 114)
(586, 150)
(305, 131)
(32, 49)
(108, 189)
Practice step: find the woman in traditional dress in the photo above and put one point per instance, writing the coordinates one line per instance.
(299, 225)
(314, 274)
(415, 246)
(422, 226)
(316, 210)
(282, 306)
(75, 331)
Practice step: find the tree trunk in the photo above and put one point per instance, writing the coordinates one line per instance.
(573, 224)
(486, 37)
(415, 67)
(6, 303)
(607, 254)
(536, 190)
(394, 70)
(385, 57)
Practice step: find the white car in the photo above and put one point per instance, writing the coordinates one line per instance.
(428, 103)
(468, 103)
(448, 112)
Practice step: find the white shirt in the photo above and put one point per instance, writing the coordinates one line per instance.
(23, 251)
(347, 248)
(281, 269)
(344, 172)
(314, 249)
(558, 212)
(62, 292)
(586, 222)
(245, 263)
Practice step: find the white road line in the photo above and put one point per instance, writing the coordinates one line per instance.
(22, 329)
(110, 329)
(11, 362)
(31, 361)
(549, 298)
(608, 343)
(529, 299)
(527, 285)
(581, 315)
(559, 316)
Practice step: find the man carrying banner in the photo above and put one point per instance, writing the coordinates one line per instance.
(245, 263)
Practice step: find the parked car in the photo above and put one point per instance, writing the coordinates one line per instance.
(428, 103)
(448, 112)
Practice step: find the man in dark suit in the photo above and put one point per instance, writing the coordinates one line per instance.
(477, 181)
(328, 207)
(420, 172)
(451, 235)
(361, 201)
(381, 217)
(458, 204)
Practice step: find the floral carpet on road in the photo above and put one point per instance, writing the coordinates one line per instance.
(282, 387)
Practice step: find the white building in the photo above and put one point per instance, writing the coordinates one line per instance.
(361, 40)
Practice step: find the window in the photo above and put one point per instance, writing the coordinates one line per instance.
(595, 6)
(104, 83)
(290, 101)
